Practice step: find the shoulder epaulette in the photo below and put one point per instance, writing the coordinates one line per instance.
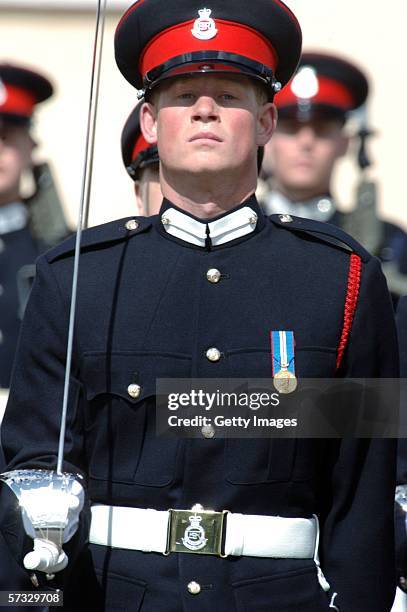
(101, 234)
(324, 231)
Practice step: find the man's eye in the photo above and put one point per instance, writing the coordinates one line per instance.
(186, 96)
(323, 131)
(228, 96)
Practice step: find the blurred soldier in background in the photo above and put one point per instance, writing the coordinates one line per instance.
(27, 227)
(309, 140)
(142, 165)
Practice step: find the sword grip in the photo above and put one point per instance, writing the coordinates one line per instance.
(46, 557)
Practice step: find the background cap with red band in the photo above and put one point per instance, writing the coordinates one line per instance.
(324, 85)
(137, 153)
(20, 90)
(157, 39)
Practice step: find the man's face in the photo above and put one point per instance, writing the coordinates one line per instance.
(16, 147)
(208, 124)
(301, 156)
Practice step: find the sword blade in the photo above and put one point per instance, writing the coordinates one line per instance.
(83, 208)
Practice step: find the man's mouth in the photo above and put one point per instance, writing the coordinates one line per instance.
(205, 136)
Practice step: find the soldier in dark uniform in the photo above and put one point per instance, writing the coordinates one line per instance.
(20, 91)
(142, 165)
(309, 140)
(195, 292)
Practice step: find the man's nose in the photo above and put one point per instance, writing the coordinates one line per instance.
(306, 135)
(205, 109)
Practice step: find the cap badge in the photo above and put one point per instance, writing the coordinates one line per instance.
(305, 83)
(204, 27)
(3, 93)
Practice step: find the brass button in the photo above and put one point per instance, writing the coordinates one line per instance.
(134, 390)
(213, 354)
(253, 220)
(165, 220)
(208, 431)
(286, 218)
(132, 225)
(194, 588)
(213, 275)
(324, 205)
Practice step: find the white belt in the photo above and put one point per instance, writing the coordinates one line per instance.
(150, 530)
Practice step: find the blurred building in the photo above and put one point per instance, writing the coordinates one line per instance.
(57, 36)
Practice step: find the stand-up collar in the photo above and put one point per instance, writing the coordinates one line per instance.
(13, 217)
(321, 208)
(241, 222)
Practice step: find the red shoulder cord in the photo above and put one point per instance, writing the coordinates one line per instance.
(351, 301)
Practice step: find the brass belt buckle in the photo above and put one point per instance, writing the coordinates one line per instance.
(196, 531)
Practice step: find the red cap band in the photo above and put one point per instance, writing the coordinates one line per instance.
(16, 101)
(140, 145)
(231, 37)
(330, 92)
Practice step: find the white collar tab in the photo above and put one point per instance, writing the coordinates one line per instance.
(234, 225)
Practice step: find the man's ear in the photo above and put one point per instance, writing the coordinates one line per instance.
(139, 201)
(28, 147)
(266, 123)
(148, 122)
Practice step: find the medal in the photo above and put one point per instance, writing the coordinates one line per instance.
(285, 381)
(283, 361)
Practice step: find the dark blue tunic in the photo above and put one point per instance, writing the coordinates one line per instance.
(18, 252)
(146, 310)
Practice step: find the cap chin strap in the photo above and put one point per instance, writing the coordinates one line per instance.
(143, 159)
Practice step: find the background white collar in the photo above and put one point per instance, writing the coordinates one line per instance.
(319, 209)
(13, 217)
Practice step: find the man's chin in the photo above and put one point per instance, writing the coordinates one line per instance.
(207, 169)
(5, 190)
(302, 185)
(216, 164)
